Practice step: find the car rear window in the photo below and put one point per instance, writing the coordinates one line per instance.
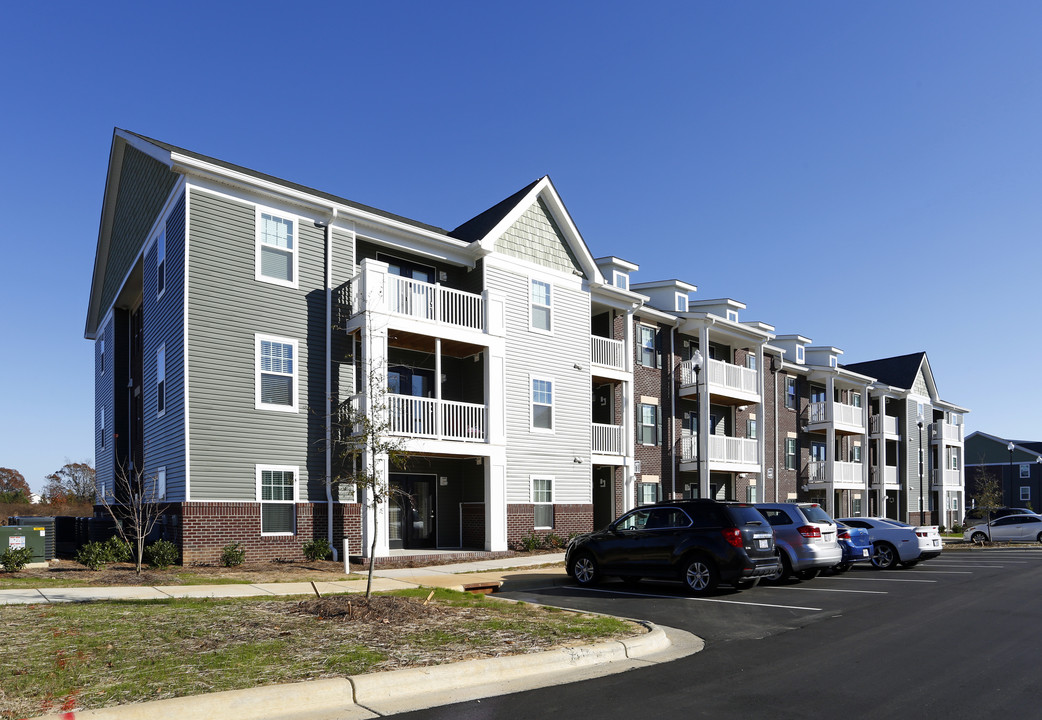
(776, 517)
(745, 515)
(814, 513)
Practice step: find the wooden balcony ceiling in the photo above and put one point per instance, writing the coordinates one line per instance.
(425, 343)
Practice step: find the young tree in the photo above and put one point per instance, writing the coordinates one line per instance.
(74, 482)
(988, 492)
(134, 505)
(13, 487)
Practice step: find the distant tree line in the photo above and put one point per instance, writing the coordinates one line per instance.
(72, 484)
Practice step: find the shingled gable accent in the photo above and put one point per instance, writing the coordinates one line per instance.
(534, 225)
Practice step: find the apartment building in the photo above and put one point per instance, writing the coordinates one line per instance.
(243, 323)
(1016, 465)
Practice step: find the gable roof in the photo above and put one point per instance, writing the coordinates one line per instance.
(899, 371)
(479, 226)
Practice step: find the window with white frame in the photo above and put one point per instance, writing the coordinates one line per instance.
(750, 361)
(855, 399)
(750, 428)
(955, 502)
(276, 373)
(161, 380)
(276, 248)
(543, 502)
(681, 302)
(732, 315)
(750, 494)
(799, 353)
(646, 338)
(1025, 470)
(855, 454)
(649, 493)
(277, 492)
(790, 393)
(160, 488)
(621, 280)
(101, 354)
(790, 453)
(1025, 492)
(161, 264)
(541, 306)
(648, 428)
(542, 403)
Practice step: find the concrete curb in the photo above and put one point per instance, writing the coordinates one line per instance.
(376, 694)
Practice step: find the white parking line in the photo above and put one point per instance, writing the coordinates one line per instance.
(947, 565)
(698, 599)
(874, 579)
(812, 589)
(937, 572)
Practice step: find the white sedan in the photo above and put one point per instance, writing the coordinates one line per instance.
(929, 538)
(1012, 528)
(893, 544)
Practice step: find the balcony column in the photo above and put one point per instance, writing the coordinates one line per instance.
(831, 451)
(761, 422)
(439, 420)
(702, 438)
(628, 421)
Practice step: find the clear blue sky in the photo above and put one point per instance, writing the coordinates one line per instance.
(864, 174)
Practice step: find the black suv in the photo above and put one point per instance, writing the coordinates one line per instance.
(700, 542)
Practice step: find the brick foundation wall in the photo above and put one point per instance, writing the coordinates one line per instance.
(206, 527)
(568, 519)
(473, 525)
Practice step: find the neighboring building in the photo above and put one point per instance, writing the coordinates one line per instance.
(1015, 464)
(534, 388)
(916, 443)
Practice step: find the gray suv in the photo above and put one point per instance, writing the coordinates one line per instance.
(805, 538)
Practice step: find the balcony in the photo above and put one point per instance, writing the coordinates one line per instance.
(608, 353)
(607, 439)
(422, 417)
(946, 478)
(946, 433)
(724, 380)
(883, 425)
(845, 474)
(889, 477)
(840, 415)
(723, 450)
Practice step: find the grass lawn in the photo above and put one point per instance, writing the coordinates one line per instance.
(80, 656)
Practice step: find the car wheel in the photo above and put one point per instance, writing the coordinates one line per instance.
(784, 569)
(886, 556)
(1039, 538)
(980, 538)
(842, 567)
(747, 584)
(808, 574)
(585, 570)
(700, 576)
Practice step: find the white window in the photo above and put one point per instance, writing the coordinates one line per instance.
(101, 354)
(276, 248)
(277, 492)
(1025, 470)
(649, 493)
(102, 428)
(160, 484)
(542, 404)
(790, 453)
(750, 494)
(832, 361)
(955, 502)
(799, 353)
(648, 429)
(161, 380)
(160, 264)
(1025, 492)
(790, 393)
(681, 302)
(543, 500)
(648, 356)
(541, 307)
(855, 399)
(276, 373)
(855, 453)
(750, 428)
(750, 361)
(732, 315)
(621, 280)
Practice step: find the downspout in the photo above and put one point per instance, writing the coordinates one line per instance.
(329, 383)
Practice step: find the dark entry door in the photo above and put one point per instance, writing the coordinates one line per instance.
(412, 511)
(603, 496)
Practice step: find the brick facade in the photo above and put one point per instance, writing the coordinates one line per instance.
(568, 520)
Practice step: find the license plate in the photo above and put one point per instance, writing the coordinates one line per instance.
(761, 544)
(936, 543)
(864, 553)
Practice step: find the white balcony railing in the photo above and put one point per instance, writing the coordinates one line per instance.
(946, 478)
(889, 476)
(722, 375)
(841, 413)
(945, 432)
(607, 439)
(435, 303)
(723, 449)
(885, 424)
(430, 418)
(843, 472)
(607, 352)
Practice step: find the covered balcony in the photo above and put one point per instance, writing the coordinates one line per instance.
(946, 433)
(728, 383)
(607, 439)
(725, 453)
(883, 425)
(946, 479)
(607, 353)
(888, 478)
(836, 474)
(843, 417)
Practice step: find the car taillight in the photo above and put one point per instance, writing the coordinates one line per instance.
(810, 532)
(733, 536)
(920, 534)
(843, 535)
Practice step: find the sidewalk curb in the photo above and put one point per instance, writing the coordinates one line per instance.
(376, 694)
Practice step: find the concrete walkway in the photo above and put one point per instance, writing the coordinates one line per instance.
(379, 694)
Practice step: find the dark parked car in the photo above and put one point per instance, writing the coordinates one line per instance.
(699, 542)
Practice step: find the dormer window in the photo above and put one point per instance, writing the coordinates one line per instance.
(681, 302)
(799, 353)
(621, 280)
(832, 361)
(732, 315)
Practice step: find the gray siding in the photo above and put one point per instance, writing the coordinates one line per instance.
(553, 356)
(162, 323)
(911, 454)
(144, 186)
(104, 394)
(535, 237)
(227, 307)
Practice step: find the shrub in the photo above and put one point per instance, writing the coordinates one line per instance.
(553, 541)
(117, 549)
(93, 555)
(317, 549)
(15, 559)
(233, 555)
(161, 554)
(958, 528)
(531, 542)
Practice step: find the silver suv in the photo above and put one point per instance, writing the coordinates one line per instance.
(805, 539)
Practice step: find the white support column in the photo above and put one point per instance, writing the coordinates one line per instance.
(372, 511)
(439, 413)
(761, 425)
(703, 413)
(495, 502)
(830, 446)
(628, 420)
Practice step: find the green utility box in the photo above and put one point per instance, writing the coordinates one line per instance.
(25, 536)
